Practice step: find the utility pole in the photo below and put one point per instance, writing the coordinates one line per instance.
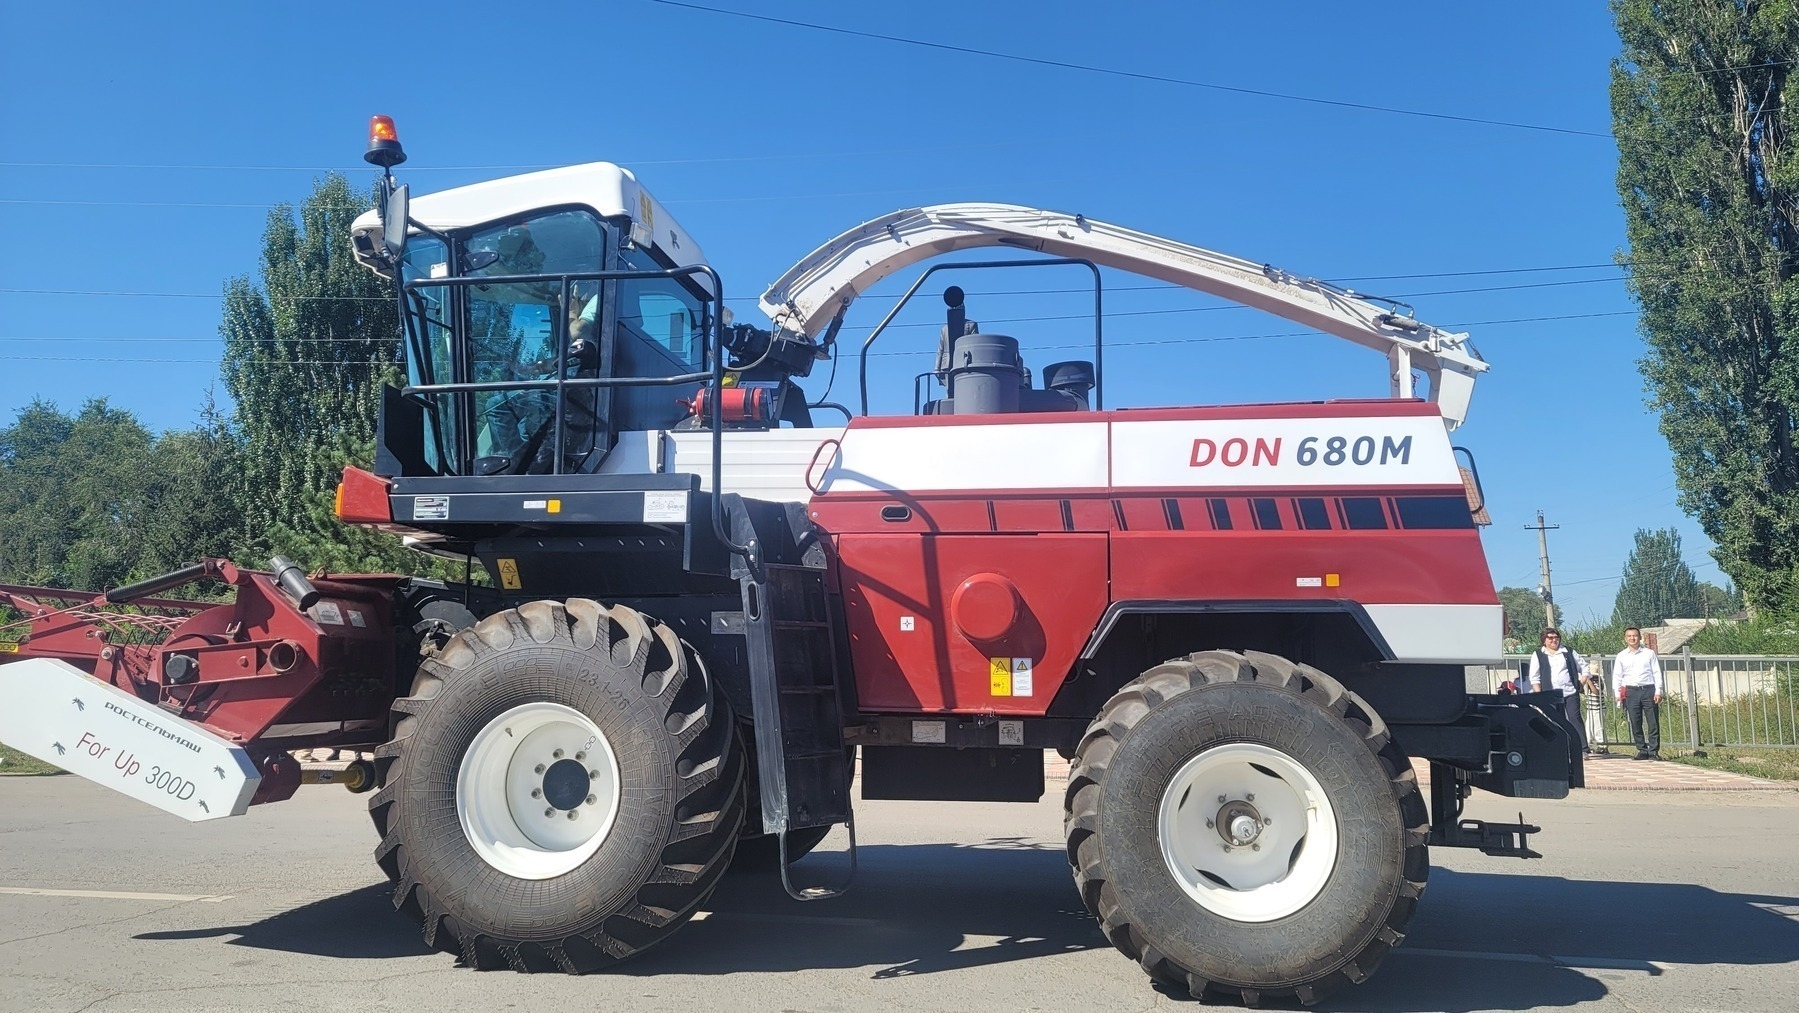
(1545, 590)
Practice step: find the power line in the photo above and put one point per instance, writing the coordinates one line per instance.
(1029, 347)
(1163, 287)
(1136, 75)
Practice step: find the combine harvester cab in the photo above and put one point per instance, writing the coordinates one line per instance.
(1241, 624)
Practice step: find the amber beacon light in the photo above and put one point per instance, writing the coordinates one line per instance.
(384, 143)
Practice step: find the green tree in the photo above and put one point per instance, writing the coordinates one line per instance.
(39, 529)
(1657, 584)
(306, 355)
(1524, 615)
(1703, 111)
(193, 484)
(93, 500)
(1719, 602)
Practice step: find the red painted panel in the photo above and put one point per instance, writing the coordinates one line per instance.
(362, 498)
(1028, 515)
(1143, 513)
(1374, 567)
(933, 667)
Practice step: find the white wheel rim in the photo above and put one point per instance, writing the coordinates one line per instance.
(1290, 837)
(538, 790)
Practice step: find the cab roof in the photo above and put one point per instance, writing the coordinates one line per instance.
(610, 190)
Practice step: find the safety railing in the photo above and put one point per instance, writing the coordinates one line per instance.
(1707, 699)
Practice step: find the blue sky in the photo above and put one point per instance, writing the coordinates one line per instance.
(142, 147)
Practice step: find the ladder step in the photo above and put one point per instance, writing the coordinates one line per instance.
(813, 754)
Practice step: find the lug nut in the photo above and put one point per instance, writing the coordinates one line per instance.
(550, 813)
(591, 799)
(574, 813)
(557, 754)
(1226, 847)
(1255, 847)
(1221, 799)
(1249, 798)
(581, 755)
(539, 768)
(537, 793)
(593, 775)
(1208, 824)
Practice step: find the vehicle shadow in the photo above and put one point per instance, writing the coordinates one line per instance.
(1481, 941)
(358, 924)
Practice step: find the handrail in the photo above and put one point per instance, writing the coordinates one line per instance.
(1099, 400)
(712, 337)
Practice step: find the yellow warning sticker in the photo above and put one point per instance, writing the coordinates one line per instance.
(1332, 580)
(509, 574)
(999, 673)
(554, 506)
(9, 648)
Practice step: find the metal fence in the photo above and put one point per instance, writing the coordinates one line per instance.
(1707, 699)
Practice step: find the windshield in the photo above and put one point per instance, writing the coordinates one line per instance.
(513, 332)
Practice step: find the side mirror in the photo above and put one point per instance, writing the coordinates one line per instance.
(393, 222)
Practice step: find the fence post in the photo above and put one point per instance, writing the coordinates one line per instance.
(1686, 662)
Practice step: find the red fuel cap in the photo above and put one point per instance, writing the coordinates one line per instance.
(985, 607)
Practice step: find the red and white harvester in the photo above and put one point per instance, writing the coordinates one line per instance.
(704, 604)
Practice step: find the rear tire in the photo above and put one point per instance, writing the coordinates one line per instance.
(1331, 857)
(543, 863)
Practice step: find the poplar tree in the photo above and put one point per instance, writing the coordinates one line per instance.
(1657, 583)
(306, 355)
(1702, 108)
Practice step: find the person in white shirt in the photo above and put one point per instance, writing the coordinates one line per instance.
(1638, 675)
(1555, 667)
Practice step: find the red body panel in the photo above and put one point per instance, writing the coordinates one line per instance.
(902, 555)
(929, 663)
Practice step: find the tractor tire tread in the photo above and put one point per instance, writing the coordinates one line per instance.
(1164, 682)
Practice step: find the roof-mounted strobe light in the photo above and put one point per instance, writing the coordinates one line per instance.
(391, 204)
(384, 143)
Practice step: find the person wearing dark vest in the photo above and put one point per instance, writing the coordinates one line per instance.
(1555, 667)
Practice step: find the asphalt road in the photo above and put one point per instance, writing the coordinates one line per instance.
(1647, 901)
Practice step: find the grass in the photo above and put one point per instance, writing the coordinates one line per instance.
(14, 762)
(1773, 764)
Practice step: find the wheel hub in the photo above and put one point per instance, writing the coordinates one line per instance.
(1239, 823)
(565, 784)
(1247, 832)
(538, 790)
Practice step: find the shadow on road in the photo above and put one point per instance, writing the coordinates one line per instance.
(358, 924)
(1480, 941)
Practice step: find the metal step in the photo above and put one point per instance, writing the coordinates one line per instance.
(797, 712)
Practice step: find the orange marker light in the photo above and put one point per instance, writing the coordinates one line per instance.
(384, 143)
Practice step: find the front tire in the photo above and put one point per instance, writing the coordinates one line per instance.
(1244, 827)
(562, 790)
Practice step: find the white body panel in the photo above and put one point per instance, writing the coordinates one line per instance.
(1452, 634)
(1392, 450)
(61, 715)
(606, 188)
(759, 465)
(929, 458)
